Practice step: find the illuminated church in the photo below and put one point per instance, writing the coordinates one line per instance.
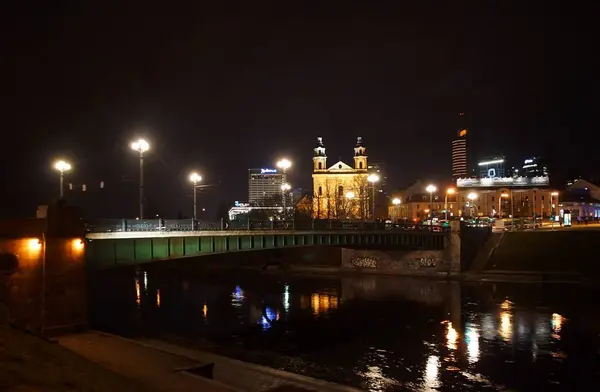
(340, 191)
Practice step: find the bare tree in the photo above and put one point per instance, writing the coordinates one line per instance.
(363, 199)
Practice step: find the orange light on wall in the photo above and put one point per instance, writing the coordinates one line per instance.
(34, 244)
(78, 245)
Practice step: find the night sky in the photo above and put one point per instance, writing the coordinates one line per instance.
(221, 90)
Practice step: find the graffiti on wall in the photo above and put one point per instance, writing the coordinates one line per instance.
(364, 262)
(428, 262)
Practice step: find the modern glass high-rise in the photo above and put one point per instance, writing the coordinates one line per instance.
(459, 155)
(264, 187)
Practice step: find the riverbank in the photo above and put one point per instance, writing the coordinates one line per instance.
(31, 364)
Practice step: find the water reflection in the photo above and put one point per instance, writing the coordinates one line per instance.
(472, 341)
(506, 326)
(430, 377)
(373, 339)
(237, 297)
(138, 296)
(286, 298)
(323, 303)
(451, 336)
(557, 322)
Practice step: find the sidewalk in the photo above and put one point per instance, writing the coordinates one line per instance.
(158, 365)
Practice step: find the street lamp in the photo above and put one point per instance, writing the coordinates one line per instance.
(431, 188)
(552, 195)
(373, 178)
(472, 196)
(396, 202)
(285, 187)
(195, 178)
(141, 146)
(503, 195)
(284, 164)
(449, 191)
(62, 167)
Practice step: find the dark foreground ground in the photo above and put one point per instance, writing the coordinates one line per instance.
(30, 364)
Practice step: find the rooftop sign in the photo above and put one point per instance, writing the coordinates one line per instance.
(502, 182)
(268, 171)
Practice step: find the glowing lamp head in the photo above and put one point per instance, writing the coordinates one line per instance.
(451, 191)
(472, 196)
(140, 145)
(62, 166)
(396, 201)
(78, 244)
(284, 164)
(373, 178)
(431, 188)
(350, 195)
(286, 187)
(34, 244)
(195, 177)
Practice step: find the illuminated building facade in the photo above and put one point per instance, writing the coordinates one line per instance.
(341, 191)
(414, 203)
(459, 155)
(264, 187)
(534, 167)
(492, 167)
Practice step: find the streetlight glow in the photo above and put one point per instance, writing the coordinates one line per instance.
(554, 194)
(431, 188)
(284, 164)
(349, 195)
(396, 201)
(504, 195)
(451, 191)
(140, 145)
(373, 178)
(472, 196)
(286, 187)
(195, 177)
(62, 166)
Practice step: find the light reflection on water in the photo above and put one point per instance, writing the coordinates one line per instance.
(478, 349)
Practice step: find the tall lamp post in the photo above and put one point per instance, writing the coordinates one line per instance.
(449, 191)
(373, 178)
(141, 146)
(284, 164)
(552, 206)
(285, 187)
(396, 202)
(62, 167)
(503, 195)
(472, 197)
(195, 178)
(430, 189)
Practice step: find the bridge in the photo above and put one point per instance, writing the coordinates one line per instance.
(131, 242)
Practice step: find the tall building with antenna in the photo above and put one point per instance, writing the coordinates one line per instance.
(459, 152)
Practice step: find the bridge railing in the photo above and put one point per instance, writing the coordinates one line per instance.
(129, 225)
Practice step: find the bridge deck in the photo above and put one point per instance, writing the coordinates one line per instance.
(231, 233)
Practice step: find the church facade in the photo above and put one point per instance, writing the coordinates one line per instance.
(341, 191)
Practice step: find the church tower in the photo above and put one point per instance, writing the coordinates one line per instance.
(319, 156)
(360, 156)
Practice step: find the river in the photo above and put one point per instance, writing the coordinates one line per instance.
(370, 332)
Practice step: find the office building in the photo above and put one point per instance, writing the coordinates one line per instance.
(534, 167)
(459, 155)
(492, 167)
(264, 187)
